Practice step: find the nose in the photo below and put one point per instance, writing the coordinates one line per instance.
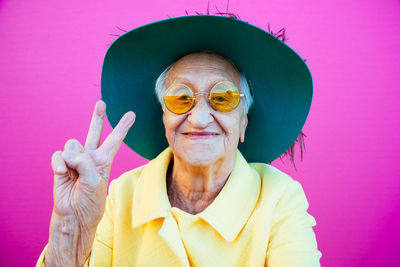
(200, 115)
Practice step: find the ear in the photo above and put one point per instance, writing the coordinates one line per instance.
(163, 115)
(243, 128)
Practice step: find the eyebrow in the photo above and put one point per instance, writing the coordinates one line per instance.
(187, 82)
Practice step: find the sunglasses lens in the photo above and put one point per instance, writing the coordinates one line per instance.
(179, 98)
(224, 96)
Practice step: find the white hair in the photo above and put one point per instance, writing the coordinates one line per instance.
(244, 88)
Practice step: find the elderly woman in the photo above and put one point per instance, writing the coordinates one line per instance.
(197, 202)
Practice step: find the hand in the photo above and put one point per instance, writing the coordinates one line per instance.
(81, 173)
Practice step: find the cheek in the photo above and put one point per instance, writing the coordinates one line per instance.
(231, 125)
(172, 123)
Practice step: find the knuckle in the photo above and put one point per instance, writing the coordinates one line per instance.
(82, 158)
(119, 135)
(67, 154)
(70, 143)
(79, 157)
(55, 158)
(57, 163)
(73, 145)
(56, 154)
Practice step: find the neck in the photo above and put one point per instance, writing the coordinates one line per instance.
(194, 188)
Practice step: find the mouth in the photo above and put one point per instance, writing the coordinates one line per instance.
(200, 135)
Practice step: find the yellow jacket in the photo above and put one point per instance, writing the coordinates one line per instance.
(258, 219)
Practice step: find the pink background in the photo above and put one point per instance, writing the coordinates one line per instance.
(51, 55)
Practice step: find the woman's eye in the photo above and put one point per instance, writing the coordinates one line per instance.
(219, 98)
(184, 98)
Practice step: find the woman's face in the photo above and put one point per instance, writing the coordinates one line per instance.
(204, 136)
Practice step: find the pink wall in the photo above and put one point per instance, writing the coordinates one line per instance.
(50, 64)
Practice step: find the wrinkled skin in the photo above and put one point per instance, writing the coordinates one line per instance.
(203, 141)
(81, 176)
(220, 131)
(81, 173)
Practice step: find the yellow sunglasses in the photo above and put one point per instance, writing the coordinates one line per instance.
(223, 97)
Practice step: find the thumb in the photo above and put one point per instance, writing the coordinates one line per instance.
(60, 169)
(58, 164)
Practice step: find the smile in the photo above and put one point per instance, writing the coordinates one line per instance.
(200, 135)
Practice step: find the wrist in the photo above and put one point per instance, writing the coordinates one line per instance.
(70, 242)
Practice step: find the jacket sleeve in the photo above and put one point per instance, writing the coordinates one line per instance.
(292, 241)
(102, 250)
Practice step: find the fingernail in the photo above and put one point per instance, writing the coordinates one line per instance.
(100, 108)
(66, 155)
(128, 117)
(60, 169)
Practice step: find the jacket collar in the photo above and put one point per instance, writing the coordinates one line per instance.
(227, 214)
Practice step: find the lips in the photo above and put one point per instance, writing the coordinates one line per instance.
(200, 135)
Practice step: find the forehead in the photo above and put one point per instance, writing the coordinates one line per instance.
(203, 67)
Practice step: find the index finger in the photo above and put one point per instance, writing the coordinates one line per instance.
(96, 126)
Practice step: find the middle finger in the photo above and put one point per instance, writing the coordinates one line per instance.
(114, 140)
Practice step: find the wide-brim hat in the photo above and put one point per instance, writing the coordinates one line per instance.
(279, 79)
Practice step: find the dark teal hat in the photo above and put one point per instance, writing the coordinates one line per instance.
(280, 80)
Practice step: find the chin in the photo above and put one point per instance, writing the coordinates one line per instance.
(199, 157)
(198, 160)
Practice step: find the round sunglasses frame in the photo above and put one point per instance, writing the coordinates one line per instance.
(203, 93)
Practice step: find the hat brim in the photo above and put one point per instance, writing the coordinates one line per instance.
(280, 80)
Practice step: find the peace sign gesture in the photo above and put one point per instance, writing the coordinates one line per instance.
(81, 173)
(81, 176)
